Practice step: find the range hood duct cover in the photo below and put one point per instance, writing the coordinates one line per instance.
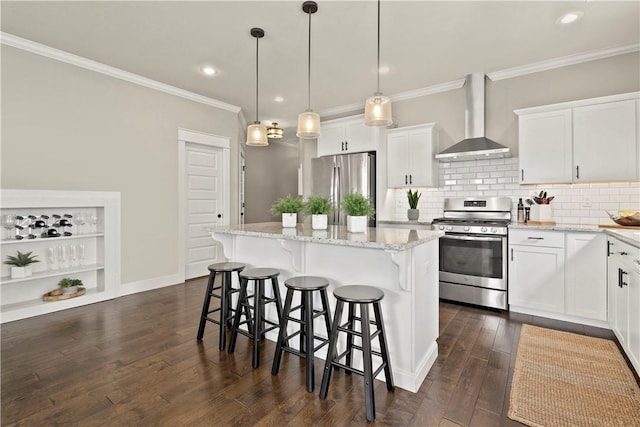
(475, 145)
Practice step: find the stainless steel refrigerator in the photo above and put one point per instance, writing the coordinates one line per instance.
(335, 176)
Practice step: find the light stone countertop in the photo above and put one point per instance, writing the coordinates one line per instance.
(376, 238)
(630, 236)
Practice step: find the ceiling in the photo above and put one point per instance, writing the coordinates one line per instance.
(423, 43)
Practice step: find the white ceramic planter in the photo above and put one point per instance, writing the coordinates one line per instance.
(541, 213)
(70, 290)
(413, 214)
(20, 272)
(289, 219)
(356, 224)
(319, 222)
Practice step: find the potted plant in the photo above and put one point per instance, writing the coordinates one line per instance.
(69, 286)
(318, 207)
(288, 207)
(413, 213)
(21, 264)
(357, 208)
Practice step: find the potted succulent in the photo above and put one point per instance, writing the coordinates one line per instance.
(69, 286)
(21, 264)
(413, 213)
(318, 207)
(288, 207)
(357, 208)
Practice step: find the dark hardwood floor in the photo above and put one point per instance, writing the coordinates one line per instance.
(135, 361)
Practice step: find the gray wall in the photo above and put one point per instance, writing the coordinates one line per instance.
(271, 173)
(67, 128)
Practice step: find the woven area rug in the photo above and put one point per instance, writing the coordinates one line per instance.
(565, 379)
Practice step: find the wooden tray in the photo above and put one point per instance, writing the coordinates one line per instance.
(623, 227)
(552, 223)
(49, 297)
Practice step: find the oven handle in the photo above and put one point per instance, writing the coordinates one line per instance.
(478, 239)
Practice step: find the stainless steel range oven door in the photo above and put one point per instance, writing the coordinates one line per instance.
(474, 260)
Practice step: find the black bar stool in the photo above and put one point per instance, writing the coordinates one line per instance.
(226, 290)
(307, 285)
(361, 296)
(256, 325)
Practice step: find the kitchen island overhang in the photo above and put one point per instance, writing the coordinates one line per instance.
(401, 262)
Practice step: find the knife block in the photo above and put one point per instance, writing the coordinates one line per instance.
(541, 213)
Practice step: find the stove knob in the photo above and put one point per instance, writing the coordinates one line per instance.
(494, 230)
(483, 229)
(466, 228)
(441, 227)
(449, 228)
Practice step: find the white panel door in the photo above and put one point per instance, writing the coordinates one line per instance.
(204, 207)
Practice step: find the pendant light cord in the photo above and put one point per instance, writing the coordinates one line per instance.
(309, 68)
(378, 69)
(257, 47)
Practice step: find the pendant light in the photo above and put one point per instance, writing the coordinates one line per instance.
(377, 109)
(257, 133)
(309, 122)
(274, 132)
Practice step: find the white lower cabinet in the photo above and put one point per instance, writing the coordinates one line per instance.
(585, 272)
(624, 297)
(558, 274)
(536, 271)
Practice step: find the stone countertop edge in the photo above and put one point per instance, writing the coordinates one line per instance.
(407, 222)
(375, 238)
(631, 237)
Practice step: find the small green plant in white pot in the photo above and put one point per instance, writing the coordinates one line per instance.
(21, 264)
(358, 209)
(413, 213)
(318, 207)
(69, 286)
(288, 207)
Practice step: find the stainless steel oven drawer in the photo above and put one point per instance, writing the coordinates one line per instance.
(474, 295)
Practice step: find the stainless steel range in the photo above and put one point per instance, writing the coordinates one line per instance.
(473, 251)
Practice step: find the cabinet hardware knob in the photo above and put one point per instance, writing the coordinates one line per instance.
(521, 174)
(219, 215)
(577, 172)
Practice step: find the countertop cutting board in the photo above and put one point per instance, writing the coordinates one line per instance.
(623, 227)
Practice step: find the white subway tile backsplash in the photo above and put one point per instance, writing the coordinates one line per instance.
(573, 203)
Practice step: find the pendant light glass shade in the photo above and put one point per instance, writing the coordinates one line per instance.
(377, 109)
(309, 122)
(257, 133)
(308, 125)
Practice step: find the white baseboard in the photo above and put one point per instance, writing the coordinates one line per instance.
(149, 284)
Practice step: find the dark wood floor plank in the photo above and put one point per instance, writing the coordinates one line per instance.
(462, 403)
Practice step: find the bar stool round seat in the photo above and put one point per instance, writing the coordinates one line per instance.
(361, 297)
(226, 290)
(257, 324)
(306, 285)
(361, 294)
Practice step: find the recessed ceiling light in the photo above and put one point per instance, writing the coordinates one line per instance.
(570, 17)
(208, 70)
(278, 99)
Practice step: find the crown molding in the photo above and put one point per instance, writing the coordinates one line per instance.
(98, 67)
(551, 64)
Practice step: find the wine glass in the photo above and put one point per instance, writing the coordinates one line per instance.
(9, 223)
(51, 258)
(81, 253)
(79, 219)
(94, 222)
(73, 255)
(62, 256)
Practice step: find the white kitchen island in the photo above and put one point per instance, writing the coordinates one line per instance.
(402, 262)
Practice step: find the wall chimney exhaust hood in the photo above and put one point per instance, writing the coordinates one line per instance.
(475, 145)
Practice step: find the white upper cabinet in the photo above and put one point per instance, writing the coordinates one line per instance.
(605, 142)
(344, 136)
(582, 141)
(545, 147)
(410, 156)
